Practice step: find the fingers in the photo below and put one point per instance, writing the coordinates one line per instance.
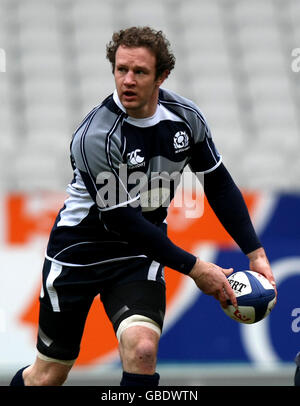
(269, 275)
(227, 294)
(273, 283)
(221, 297)
(212, 280)
(227, 272)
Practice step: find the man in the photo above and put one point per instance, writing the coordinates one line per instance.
(108, 239)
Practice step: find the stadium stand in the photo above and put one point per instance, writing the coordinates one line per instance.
(233, 59)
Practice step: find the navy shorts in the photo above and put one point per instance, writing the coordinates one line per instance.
(127, 287)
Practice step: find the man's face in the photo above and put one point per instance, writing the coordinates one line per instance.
(137, 87)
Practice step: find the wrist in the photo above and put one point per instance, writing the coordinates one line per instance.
(198, 267)
(259, 253)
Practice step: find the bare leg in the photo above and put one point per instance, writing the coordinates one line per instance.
(138, 350)
(46, 373)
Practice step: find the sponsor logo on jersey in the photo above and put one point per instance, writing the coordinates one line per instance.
(134, 160)
(181, 141)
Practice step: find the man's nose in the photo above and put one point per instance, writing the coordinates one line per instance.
(129, 78)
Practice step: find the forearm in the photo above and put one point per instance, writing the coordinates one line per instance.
(150, 239)
(229, 206)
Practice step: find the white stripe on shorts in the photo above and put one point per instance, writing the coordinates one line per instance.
(153, 269)
(55, 271)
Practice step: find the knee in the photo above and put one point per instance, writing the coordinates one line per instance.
(138, 350)
(144, 351)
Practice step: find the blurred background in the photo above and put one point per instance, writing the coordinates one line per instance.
(239, 61)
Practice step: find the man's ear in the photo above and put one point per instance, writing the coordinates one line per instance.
(160, 80)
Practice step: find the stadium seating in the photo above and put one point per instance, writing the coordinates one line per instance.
(233, 58)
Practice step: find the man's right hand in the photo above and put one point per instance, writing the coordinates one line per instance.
(212, 280)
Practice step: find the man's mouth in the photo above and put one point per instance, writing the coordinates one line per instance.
(129, 94)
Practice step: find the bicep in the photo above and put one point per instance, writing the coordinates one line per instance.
(205, 157)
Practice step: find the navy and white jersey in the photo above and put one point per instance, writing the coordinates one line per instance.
(118, 161)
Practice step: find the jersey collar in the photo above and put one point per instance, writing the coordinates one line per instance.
(139, 122)
(118, 102)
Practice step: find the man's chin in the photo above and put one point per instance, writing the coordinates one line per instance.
(131, 107)
(130, 104)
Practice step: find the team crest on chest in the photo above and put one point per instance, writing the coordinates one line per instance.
(181, 141)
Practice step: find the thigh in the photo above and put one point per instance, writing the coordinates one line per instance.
(64, 304)
(142, 297)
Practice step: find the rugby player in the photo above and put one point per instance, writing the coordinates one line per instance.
(109, 240)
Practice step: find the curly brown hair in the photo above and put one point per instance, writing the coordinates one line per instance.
(134, 37)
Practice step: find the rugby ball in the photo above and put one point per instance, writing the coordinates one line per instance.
(255, 297)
